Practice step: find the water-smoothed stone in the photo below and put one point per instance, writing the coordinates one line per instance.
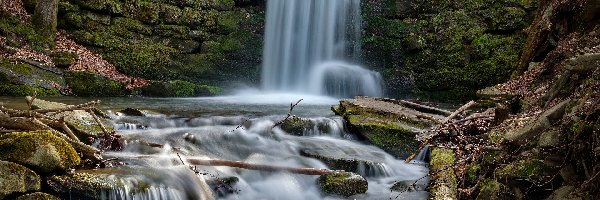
(443, 180)
(81, 185)
(536, 126)
(81, 122)
(40, 150)
(37, 196)
(16, 178)
(343, 183)
(340, 156)
(133, 112)
(408, 186)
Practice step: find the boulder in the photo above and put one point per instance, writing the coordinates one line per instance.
(549, 139)
(133, 112)
(81, 122)
(564, 193)
(493, 190)
(93, 85)
(40, 150)
(81, 185)
(343, 183)
(536, 126)
(297, 126)
(37, 196)
(16, 178)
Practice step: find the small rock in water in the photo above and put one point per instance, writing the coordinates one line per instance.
(133, 112)
(343, 183)
(189, 137)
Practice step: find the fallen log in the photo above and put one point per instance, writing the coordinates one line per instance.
(418, 107)
(245, 165)
(458, 111)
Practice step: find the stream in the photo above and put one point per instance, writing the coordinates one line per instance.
(209, 128)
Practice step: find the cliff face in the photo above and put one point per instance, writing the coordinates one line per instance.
(444, 49)
(195, 40)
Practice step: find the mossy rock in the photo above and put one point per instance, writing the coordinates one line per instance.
(531, 169)
(15, 178)
(93, 85)
(82, 185)
(37, 196)
(26, 90)
(40, 150)
(343, 183)
(493, 190)
(63, 59)
(12, 28)
(297, 126)
(80, 122)
(443, 180)
(177, 88)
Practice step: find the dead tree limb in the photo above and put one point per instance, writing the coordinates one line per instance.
(289, 114)
(458, 111)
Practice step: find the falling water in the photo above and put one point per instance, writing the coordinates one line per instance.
(309, 48)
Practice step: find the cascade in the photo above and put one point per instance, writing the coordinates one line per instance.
(310, 47)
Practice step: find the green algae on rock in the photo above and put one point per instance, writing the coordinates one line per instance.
(40, 150)
(343, 183)
(37, 196)
(444, 183)
(88, 84)
(15, 178)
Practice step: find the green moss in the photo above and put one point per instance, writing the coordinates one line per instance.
(343, 183)
(26, 90)
(228, 21)
(39, 149)
(207, 90)
(177, 88)
(472, 173)
(16, 179)
(492, 157)
(297, 126)
(443, 180)
(93, 85)
(495, 136)
(37, 196)
(63, 59)
(531, 169)
(12, 28)
(492, 189)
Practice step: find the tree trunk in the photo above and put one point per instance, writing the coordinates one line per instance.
(45, 20)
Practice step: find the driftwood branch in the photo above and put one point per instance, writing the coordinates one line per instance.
(289, 114)
(458, 111)
(249, 166)
(416, 106)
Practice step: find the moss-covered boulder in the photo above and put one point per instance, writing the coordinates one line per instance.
(81, 122)
(493, 190)
(40, 150)
(536, 126)
(177, 88)
(297, 126)
(37, 196)
(388, 125)
(82, 185)
(443, 183)
(93, 85)
(15, 178)
(343, 183)
(21, 79)
(530, 169)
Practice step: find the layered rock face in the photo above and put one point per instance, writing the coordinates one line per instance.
(444, 49)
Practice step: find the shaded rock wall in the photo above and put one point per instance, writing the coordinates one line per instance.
(195, 40)
(444, 49)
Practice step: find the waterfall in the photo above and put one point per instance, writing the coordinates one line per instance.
(310, 47)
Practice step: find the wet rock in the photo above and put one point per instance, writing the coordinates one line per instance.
(297, 126)
(81, 122)
(408, 186)
(37, 196)
(40, 150)
(343, 183)
(564, 193)
(537, 126)
(338, 156)
(16, 178)
(493, 190)
(133, 112)
(443, 180)
(223, 186)
(81, 185)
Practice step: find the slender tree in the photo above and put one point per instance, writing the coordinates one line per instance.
(44, 20)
